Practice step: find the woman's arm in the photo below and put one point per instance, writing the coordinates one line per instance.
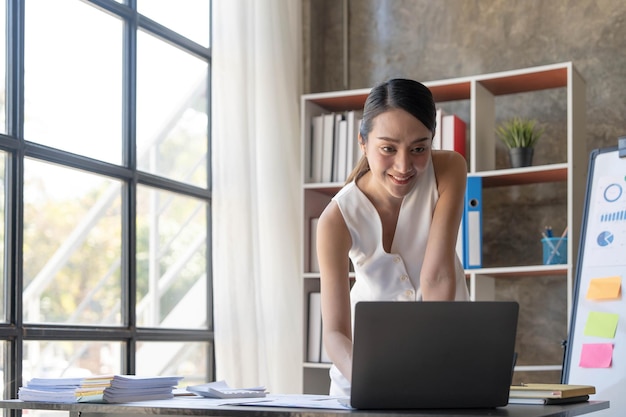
(333, 245)
(438, 276)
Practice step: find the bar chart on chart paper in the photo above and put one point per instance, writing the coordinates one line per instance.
(607, 228)
(613, 217)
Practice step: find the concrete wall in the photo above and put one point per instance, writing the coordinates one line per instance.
(438, 39)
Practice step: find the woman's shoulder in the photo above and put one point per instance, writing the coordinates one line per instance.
(445, 158)
(349, 192)
(448, 161)
(331, 219)
(348, 196)
(449, 166)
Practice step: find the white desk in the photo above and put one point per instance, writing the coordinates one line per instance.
(204, 408)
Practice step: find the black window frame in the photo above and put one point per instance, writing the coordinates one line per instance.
(15, 332)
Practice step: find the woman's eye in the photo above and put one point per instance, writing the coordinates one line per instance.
(388, 149)
(419, 149)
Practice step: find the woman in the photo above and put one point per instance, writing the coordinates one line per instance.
(396, 219)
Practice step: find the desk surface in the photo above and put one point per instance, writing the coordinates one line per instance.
(202, 407)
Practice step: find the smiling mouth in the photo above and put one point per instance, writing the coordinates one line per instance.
(401, 180)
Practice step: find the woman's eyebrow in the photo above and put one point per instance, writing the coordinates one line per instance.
(388, 139)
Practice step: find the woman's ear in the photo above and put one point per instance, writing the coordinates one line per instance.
(361, 143)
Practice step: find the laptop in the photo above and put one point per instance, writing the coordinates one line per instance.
(438, 354)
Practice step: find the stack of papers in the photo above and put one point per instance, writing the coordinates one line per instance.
(107, 388)
(128, 388)
(65, 390)
(220, 389)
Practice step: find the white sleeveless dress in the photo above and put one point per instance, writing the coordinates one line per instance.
(394, 276)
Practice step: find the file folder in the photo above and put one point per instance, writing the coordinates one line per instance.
(460, 243)
(473, 223)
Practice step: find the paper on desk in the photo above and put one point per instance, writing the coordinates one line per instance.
(301, 401)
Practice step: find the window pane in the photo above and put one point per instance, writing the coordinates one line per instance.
(5, 365)
(3, 182)
(172, 122)
(171, 260)
(59, 358)
(190, 18)
(3, 42)
(72, 246)
(187, 359)
(73, 78)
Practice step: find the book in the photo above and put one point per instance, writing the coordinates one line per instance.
(328, 146)
(550, 390)
(453, 135)
(313, 262)
(324, 358)
(341, 150)
(438, 128)
(307, 154)
(353, 121)
(314, 350)
(550, 401)
(317, 141)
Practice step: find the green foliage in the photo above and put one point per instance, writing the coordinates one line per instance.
(519, 133)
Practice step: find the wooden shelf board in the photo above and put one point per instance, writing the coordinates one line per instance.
(526, 82)
(496, 178)
(344, 103)
(508, 82)
(328, 188)
(523, 176)
(450, 91)
(317, 365)
(520, 271)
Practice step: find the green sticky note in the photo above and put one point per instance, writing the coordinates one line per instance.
(601, 324)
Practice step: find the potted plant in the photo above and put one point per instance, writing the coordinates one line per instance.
(520, 136)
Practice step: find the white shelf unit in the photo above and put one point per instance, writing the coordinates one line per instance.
(481, 92)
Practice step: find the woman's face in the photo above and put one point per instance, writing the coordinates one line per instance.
(398, 150)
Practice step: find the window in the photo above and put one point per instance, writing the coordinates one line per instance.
(106, 202)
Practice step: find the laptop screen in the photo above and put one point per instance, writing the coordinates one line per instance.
(453, 354)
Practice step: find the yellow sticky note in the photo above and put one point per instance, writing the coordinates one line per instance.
(601, 324)
(609, 288)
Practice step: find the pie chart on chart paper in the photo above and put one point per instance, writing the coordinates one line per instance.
(605, 238)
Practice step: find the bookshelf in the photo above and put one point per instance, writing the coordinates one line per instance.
(479, 93)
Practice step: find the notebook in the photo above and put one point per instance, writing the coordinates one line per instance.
(415, 355)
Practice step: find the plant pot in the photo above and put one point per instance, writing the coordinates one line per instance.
(521, 157)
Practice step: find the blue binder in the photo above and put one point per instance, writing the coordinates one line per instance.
(472, 224)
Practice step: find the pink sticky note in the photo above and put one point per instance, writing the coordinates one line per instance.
(596, 355)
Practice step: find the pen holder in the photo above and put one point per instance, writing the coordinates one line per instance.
(554, 250)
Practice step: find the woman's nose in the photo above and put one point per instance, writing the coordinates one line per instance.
(403, 162)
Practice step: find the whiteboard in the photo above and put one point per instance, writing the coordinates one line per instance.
(596, 347)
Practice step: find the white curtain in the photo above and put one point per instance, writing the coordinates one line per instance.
(256, 82)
